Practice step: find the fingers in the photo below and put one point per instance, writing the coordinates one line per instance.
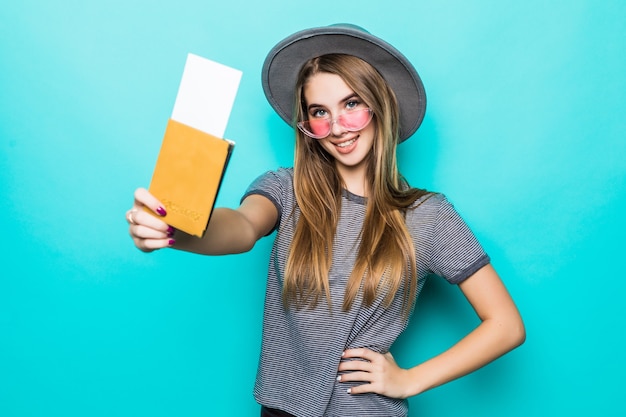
(377, 373)
(143, 198)
(359, 365)
(356, 377)
(355, 365)
(361, 353)
(149, 245)
(359, 373)
(139, 217)
(147, 231)
(149, 239)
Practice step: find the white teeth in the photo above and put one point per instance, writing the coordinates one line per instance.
(348, 143)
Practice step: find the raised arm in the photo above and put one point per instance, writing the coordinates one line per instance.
(229, 230)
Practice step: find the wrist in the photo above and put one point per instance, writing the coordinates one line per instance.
(416, 381)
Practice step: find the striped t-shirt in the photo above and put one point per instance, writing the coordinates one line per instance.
(301, 348)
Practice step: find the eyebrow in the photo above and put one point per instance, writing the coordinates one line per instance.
(346, 98)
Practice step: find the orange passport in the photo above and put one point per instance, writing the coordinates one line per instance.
(188, 174)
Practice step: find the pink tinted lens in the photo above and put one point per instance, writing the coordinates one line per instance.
(355, 120)
(319, 127)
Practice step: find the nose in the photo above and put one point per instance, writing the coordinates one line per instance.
(336, 129)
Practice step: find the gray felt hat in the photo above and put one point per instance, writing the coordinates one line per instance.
(283, 63)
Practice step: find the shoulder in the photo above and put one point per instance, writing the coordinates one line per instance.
(430, 201)
(445, 241)
(279, 178)
(280, 175)
(430, 212)
(276, 185)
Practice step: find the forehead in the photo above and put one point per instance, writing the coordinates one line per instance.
(326, 89)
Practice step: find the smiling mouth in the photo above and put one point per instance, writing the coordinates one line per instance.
(346, 143)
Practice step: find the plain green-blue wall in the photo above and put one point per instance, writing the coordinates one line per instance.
(525, 132)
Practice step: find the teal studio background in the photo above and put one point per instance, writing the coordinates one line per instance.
(525, 132)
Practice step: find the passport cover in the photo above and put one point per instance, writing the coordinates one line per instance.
(188, 174)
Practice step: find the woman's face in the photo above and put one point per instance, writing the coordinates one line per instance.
(328, 96)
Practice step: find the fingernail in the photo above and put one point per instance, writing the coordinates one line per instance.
(171, 242)
(349, 390)
(161, 211)
(339, 378)
(170, 231)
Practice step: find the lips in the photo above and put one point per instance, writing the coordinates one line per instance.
(346, 143)
(347, 146)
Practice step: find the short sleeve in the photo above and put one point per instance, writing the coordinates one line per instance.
(455, 253)
(275, 186)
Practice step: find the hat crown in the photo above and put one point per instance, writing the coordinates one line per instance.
(283, 63)
(349, 26)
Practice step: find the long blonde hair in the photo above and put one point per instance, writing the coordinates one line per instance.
(386, 255)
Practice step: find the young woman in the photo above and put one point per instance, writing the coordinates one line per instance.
(354, 241)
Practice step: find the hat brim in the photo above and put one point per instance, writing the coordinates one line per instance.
(283, 63)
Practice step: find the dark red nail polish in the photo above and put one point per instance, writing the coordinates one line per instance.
(171, 242)
(161, 211)
(170, 231)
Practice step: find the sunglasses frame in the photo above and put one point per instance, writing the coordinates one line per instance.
(302, 126)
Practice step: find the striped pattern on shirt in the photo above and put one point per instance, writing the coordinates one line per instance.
(301, 349)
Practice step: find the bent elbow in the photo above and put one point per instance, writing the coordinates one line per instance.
(517, 333)
(521, 334)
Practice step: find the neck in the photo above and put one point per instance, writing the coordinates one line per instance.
(354, 180)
